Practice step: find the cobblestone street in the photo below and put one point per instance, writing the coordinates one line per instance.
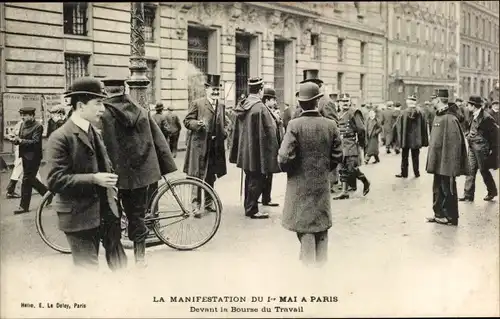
(384, 259)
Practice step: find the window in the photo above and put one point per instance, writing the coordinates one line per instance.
(398, 28)
(462, 55)
(362, 52)
(408, 63)
(483, 30)
(427, 34)
(476, 26)
(340, 77)
(489, 59)
(452, 11)
(397, 65)
(443, 37)
(417, 34)
(442, 68)
(76, 66)
(467, 23)
(408, 32)
(483, 59)
(315, 50)
(340, 50)
(435, 36)
(462, 22)
(362, 86)
(279, 69)
(198, 48)
(434, 66)
(417, 65)
(149, 23)
(468, 56)
(477, 58)
(151, 75)
(75, 18)
(487, 31)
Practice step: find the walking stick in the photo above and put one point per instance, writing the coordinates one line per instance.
(241, 184)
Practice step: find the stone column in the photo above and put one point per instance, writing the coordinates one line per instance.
(138, 81)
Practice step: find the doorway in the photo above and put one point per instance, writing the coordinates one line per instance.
(242, 65)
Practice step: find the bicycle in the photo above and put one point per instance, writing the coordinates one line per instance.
(185, 213)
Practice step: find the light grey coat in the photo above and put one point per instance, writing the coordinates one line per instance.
(311, 148)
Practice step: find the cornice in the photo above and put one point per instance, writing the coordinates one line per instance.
(284, 8)
(475, 40)
(479, 7)
(353, 26)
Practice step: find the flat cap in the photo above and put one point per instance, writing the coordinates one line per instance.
(27, 110)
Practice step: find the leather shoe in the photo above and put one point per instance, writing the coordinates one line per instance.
(489, 197)
(12, 195)
(417, 175)
(343, 196)
(20, 210)
(271, 204)
(465, 199)
(401, 176)
(259, 215)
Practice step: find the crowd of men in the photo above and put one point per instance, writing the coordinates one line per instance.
(108, 141)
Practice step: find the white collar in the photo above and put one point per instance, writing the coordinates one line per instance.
(476, 112)
(80, 122)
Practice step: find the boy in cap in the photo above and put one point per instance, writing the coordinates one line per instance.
(255, 146)
(305, 155)
(29, 141)
(81, 175)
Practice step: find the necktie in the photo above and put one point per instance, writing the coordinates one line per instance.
(111, 192)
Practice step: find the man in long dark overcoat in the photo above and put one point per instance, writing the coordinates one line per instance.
(205, 152)
(140, 156)
(305, 155)
(446, 159)
(483, 150)
(389, 116)
(411, 133)
(255, 146)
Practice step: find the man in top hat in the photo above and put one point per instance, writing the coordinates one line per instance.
(483, 150)
(326, 106)
(81, 175)
(205, 153)
(446, 159)
(269, 100)
(305, 155)
(411, 133)
(161, 120)
(174, 130)
(352, 131)
(255, 146)
(140, 155)
(29, 141)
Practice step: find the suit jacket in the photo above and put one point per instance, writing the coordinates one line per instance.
(326, 108)
(311, 148)
(136, 145)
(30, 143)
(161, 120)
(200, 142)
(488, 130)
(71, 163)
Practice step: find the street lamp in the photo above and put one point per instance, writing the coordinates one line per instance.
(138, 82)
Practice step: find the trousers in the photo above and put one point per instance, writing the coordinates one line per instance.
(266, 189)
(313, 247)
(415, 154)
(173, 141)
(470, 180)
(29, 181)
(254, 186)
(444, 197)
(210, 179)
(135, 203)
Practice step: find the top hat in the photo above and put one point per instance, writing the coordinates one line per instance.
(159, 106)
(312, 76)
(269, 92)
(255, 81)
(309, 91)
(344, 96)
(475, 100)
(213, 80)
(443, 94)
(86, 86)
(113, 82)
(412, 98)
(27, 110)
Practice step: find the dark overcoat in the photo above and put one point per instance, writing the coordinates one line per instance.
(389, 117)
(255, 142)
(311, 148)
(136, 145)
(326, 108)
(373, 129)
(411, 135)
(200, 141)
(30, 142)
(486, 150)
(71, 163)
(447, 154)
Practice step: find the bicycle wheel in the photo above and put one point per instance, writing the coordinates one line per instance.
(47, 226)
(177, 221)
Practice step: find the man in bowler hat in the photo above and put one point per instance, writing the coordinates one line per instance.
(140, 154)
(255, 146)
(205, 152)
(161, 119)
(305, 155)
(326, 107)
(81, 175)
(29, 141)
(174, 130)
(483, 147)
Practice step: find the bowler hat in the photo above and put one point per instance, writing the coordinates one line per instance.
(86, 86)
(312, 76)
(27, 110)
(114, 82)
(159, 106)
(412, 98)
(475, 100)
(269, 92)
(213, 80)
(309, 91)
(255, 81)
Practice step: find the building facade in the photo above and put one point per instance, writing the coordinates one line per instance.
(479, 47)
(422, 48)
(47, 45)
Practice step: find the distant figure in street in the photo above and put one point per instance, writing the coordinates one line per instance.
(57, 119)
(255, 146)
(429, 114)
(161, 119)
(412, 135)
(446, 159)
(29, 141)
(174, 130)
(373, 130)
(311, 147)
(494, 112)
(483, 150)
(389, 116)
